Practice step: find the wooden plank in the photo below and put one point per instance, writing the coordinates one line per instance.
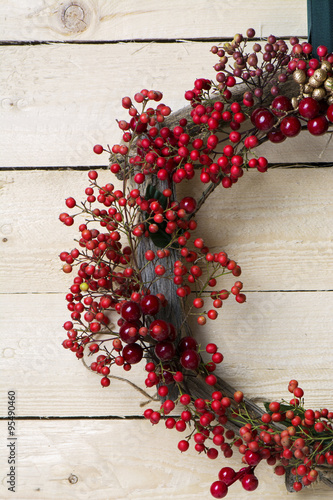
(116, 460)
(89, 20)
(60, 100)
(276, 225)
(270, 339)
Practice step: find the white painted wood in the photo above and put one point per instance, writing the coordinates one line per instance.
(277, 225)
(115, 460)
(267, 341)
(58, 100)
(127, 20)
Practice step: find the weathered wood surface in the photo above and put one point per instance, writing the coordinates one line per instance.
(117, 460)
(291, 330)
(57, 101)
(111, 20)
(277, 225)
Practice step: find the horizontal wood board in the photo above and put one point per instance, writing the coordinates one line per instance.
(270, 339)
(109, 20)
(277, 225)
(122, 460)
(57, 101)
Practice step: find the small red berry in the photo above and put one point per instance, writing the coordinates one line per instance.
(98, 149)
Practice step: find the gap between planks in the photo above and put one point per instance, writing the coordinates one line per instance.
(324, 164)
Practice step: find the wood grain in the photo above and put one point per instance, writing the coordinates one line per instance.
(277, 225)
(109, 20)
(117, 460)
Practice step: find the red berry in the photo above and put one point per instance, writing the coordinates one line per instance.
(297, 486)
(211, 348)
(226, 475)
(70, 202)
(190, 359)
(264, 119)
(321, 50)
(149, 255)
(281, 105)
(159, 330)
(132, 353)
(276, 136)
(187, 343)
(150, 304)
(105, 381)
(165, 351)
(238, 396)
(252, 458)
(183, 445)
(188, 204)
(219, 489)
(308, 107)
(290, 126)
(129, 332)
(130, 311)
(329, 113)
(250, 482)
(98, 149)
(318, 125)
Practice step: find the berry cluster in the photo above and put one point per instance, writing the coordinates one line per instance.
(118, 298)
(302, 443)
(109, 281)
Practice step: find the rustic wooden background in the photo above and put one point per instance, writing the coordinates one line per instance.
(64, 67)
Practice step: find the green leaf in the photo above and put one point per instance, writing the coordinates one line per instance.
(152, 192)
(161, 239)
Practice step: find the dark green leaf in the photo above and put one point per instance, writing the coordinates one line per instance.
(152, 192)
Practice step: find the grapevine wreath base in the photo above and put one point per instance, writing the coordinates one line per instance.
(138, 263)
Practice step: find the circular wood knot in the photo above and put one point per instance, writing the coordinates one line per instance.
(74, 17)
(73, 479)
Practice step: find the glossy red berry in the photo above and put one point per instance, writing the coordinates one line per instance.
(130, 311)
(187, 343)
(226, 475)
(252, 458)
(264, 119)
(290, 126)
(159, 330)
(276, 136)
(129, 332)
(188, 204)
(183, 445)
(329, 113)
(318, 125)
(250, 482)
(218, 489)
(150, 304)
(190, 359)
(98, 149)
(308, 107)
(132, 353)
(280, 105)
(165, 351)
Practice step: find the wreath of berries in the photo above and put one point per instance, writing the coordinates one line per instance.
(140, 273)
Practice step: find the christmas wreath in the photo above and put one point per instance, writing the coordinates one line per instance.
(140, 273)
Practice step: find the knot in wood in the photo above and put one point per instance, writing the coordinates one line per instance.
(74, 17)
(73, 479)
